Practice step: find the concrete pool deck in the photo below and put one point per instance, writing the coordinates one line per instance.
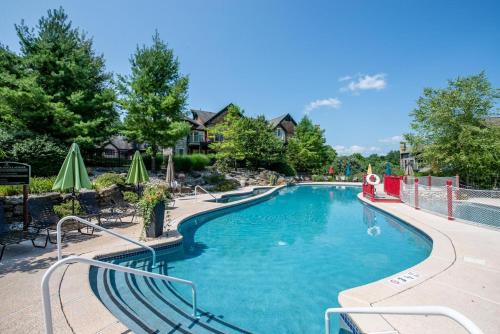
(463, 272)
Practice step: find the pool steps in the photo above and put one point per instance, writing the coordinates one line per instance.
(156, 300)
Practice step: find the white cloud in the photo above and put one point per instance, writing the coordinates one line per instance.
(366, 82)
(391, 140)
(364, 150)
(330, 103)
(345, 78)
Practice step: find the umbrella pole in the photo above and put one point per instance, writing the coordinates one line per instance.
(73, 199)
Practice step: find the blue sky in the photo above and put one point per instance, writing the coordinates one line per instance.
(356, 67)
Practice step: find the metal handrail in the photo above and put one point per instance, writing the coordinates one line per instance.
(47, 311)
(205, 190)
(86, 222)
(407, 310)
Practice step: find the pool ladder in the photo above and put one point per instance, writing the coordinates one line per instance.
(458, 317)
(205, 190)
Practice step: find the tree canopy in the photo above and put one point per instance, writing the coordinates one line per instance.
(307, 150)
(248, 140)
(451, 131)
(154, 97)
(57, 86)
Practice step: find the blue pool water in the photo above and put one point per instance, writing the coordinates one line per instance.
(274, 267)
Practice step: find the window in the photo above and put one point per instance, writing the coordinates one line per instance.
(109, 152)
(196, 137)
(280, 133)
(180, 151)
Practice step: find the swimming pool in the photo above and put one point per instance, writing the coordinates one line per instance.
(271, 267)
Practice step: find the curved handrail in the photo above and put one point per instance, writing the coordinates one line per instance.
(205, 190)
(407, 310)
(85, 222)
(47, 311)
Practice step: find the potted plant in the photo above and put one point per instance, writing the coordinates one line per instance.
(152, 206)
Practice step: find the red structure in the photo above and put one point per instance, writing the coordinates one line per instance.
(392, 185)
(368, 190)
(416, 193)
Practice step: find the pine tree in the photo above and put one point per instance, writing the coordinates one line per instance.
(63, 66)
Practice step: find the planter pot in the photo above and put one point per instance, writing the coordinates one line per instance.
(155, 228)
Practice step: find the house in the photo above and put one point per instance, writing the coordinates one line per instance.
(284, 126)
(406, 157)
(199, 138)
(118, 147)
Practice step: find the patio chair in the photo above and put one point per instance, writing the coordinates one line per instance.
(9, 236)
(121, 208)
(43, 217)
(90, 206)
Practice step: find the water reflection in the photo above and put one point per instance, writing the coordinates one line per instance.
(370, 220)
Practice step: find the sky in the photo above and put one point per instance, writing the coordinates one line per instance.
(355, 67)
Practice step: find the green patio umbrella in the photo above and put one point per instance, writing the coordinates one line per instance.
(348, 169)
(388, 170)
(73, 174)
(137, 173)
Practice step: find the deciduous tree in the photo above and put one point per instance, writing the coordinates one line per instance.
(452, 133)
(154, 97)
(307, 150)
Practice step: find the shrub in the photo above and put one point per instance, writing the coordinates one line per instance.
(283, 167)
(330, 178)
(153, 194)
(317, 178)
(272, 179)
(10, 190)
(214, 178)
(44, 156)
(226, 185)
(130, 197)
(146, 157)
(107, 180)
(66, 208)
(38, 185)
(186, 163)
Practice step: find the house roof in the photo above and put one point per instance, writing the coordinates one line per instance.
(495, 120)
(276, 121)
(120, 142)
(202, 116)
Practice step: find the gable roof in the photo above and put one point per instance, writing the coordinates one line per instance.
(201, 116)
(276, 121)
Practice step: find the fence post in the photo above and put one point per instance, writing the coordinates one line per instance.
(416, 193)
(457, 185)
(429, 181)
(450, 199)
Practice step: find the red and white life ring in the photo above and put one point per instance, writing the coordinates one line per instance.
(372, 182)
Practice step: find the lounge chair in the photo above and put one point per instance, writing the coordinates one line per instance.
(43, 217)
(9, 236)
(121, 208)
(90, 206)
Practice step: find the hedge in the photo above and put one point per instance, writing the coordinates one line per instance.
(186, 163)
